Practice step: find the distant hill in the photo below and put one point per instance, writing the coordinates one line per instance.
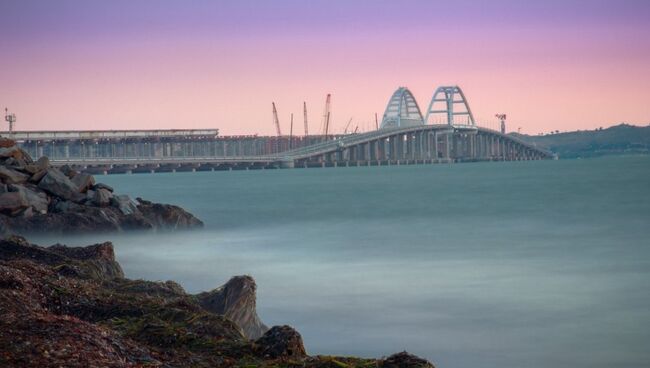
(616, 140)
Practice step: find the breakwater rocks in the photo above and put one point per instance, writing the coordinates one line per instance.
(37, 197)
(72, 307)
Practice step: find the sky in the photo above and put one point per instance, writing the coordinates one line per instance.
(163, 64)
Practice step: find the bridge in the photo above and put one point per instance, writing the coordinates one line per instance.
(446, 133)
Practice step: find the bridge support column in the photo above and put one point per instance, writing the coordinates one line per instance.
(435, 146)
(447, 146)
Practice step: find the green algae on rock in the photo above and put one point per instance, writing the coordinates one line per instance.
(72, 307)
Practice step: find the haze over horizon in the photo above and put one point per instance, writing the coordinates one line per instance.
(553, 65)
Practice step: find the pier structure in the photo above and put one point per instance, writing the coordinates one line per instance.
(153, 144)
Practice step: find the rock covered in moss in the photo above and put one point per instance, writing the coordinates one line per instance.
(281, 342)
(71, 307)
(236, 300)
(405, 360)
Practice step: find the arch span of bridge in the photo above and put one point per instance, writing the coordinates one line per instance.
(405, 137)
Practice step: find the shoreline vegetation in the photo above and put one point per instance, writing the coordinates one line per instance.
(73, 306)
(622, 139)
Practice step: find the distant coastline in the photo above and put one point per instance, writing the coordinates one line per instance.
(616, 140)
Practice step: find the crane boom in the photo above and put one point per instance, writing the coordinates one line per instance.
(304, 109)
(291, 132)
(326, 114)
(327, 124)
(276, 121)
(345, 131)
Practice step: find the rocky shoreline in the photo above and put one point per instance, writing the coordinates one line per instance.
(36, 197)
(72, 307)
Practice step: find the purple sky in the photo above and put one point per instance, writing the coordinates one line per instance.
(171, 64)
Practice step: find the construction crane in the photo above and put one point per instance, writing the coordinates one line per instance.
(276, 121)
(291, 131)
(326, 114)
(304, 110)
(345, 131)
(327, 124)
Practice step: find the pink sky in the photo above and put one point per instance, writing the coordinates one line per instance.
(115, 72)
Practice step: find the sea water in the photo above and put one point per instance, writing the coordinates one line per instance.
(503, 264)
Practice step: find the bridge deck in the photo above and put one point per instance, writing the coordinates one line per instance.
(385, 146)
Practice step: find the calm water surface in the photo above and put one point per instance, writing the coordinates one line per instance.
(529, 264)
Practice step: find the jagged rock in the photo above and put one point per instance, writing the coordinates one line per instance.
(6, 142)
(36, 178)
(100, 256)
(17, 163)
(11, 176)
(12, 203)
(62, 206)
(405, 360)
(94, 261)
(280, 342)
(102, 197)
(236, 300)
(83, 181)
(41, 164)
(15, 152)
(103, 186)
(68, 171)
(35, 197)
(27, 212)
(125, 204)
(56, 183)
(167, 216)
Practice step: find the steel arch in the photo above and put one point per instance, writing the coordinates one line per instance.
(447, 96)
(402, 110)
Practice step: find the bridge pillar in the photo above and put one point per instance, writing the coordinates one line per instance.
(447, 146)
(471, 147)
(435, 145)
(366, 151)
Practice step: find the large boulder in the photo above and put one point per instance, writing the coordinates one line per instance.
(12, 203)
(103, 186)
(405, 360)
(6, 142)
(125, 204)
(56, 183)
(36, 198)
(11, 176)
(41, 164)
(15, 152)
(93, 261)
(280, 342)
(98, 258)
(83, 181)
(101, 197)
(68, 171)
(167, 216)
(236, 301)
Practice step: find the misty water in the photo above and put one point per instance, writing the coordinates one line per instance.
(520, 264)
